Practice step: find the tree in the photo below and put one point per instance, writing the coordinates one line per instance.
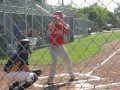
(97, 14)
(117, 12)
(111, 18)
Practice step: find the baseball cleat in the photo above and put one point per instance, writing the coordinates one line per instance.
(50, 81)
(73, 79)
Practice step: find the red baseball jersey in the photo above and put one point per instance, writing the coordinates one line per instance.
(57, 33)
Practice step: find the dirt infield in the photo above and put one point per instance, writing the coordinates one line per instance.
(100, 72)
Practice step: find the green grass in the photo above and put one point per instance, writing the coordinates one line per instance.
(3, 59)
(79, 50)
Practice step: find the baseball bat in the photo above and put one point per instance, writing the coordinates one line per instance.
(42, 9)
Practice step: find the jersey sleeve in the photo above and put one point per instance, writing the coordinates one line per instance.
(51, 28)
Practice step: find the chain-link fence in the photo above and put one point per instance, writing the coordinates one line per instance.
(92, 44)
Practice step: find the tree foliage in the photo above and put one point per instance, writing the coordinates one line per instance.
(117, 9)
(95, 13)
(117, 12)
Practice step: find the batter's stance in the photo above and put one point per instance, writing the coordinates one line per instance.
(58, 28)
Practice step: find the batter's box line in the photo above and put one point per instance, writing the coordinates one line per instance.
(94, 78)
(67, 83)
(77, 74)
(104, 61)
(104, 86)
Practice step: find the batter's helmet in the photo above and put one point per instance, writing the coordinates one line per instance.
(59, 14)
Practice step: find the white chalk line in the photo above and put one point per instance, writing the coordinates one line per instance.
(63, 75)
(75, 82)
(88, 86)
(100, 64)
(95, 78)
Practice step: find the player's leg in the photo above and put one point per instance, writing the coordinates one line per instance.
(64, 55)
(30, 79)
(25, 79)
(9, 77)
(53, 51)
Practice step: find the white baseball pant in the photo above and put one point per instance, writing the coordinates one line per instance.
(60, 51)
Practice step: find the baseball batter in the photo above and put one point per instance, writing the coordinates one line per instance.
(58, 28)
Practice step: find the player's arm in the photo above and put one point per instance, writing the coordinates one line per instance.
(65, 24)
(26, 68)
(24, 58)
(51, 27)
(66, 28)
